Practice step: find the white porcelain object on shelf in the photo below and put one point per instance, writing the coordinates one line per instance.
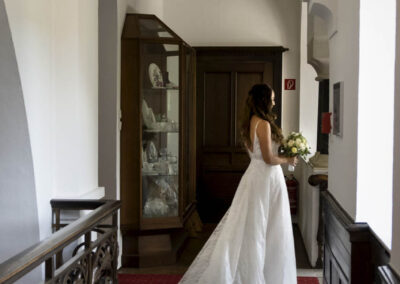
(171, 85)
(155, 76)
(151, 151)
(149, 119)
(162, 125)
(145, 108)
(148, 116)
(152, 118)
(147, 167)
(155, 207)
(144, 156)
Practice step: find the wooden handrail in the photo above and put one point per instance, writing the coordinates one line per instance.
(319, 179)
(19, 265)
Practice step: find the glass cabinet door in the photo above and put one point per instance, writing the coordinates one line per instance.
(160, 129)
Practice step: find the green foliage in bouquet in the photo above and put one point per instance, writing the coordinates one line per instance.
(295, 145)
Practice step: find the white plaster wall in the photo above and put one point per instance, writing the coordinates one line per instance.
(111, 23)
(308, 89)
(108, 88)
(395, 253)
(245, 23)
(75, 69)
(31, 33)
(376, 95)
(343, 47)
(56, 50)
(155, 7)
(18, 206)
(122, 7)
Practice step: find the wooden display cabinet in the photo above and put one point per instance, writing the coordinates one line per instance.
(158, 141)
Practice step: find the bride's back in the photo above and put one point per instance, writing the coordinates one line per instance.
(255, 150)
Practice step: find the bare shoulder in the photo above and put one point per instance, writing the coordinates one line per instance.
(264, 125)
(264, 128)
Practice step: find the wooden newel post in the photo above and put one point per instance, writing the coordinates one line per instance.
(321, 181)
(116, 252)
(88, 240)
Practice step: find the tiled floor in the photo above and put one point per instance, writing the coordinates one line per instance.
(194, 245)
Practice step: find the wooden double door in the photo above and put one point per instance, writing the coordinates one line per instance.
(224, 78)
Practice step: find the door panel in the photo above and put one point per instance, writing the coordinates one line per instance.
(217, 110)
(223, 82)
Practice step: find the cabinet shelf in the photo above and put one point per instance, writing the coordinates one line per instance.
(149, 174)
(160, 91)
(160, 131)
(162, 88)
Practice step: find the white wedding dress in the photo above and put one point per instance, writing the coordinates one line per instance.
(253, 243)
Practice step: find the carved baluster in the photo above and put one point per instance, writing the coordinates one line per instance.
(115, 250)
(322, 181)
(88, 246)
(57, 227)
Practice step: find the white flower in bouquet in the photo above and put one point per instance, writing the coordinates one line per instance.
(295, 145)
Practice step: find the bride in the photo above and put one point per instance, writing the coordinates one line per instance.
(253, 243)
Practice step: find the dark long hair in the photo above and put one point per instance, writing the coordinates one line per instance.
(259, 103)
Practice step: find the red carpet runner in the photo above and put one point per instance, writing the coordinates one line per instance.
(173, 279)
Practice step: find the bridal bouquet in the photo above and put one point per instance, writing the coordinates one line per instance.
(295, 145)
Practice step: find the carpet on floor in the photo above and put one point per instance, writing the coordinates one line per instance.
(174, 279)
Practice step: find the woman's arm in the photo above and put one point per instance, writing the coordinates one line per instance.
(265, 138)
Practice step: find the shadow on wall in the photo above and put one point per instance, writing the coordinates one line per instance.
(18, 206)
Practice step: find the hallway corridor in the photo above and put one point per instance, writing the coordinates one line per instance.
(194, 245)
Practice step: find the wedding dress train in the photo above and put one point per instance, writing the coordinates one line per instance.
(253, 243)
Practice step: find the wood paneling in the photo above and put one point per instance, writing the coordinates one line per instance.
(224, 78)
(352, 253)
(217, 101)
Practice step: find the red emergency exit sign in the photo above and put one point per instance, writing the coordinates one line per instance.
(290, 84)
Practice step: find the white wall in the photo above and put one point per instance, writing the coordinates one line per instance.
(18, 208)
(308, 89)
(155, 7)
(343, 48)
(56, 50)
(375, 100)
(395, 254)
(122, 6)
(108, 89)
